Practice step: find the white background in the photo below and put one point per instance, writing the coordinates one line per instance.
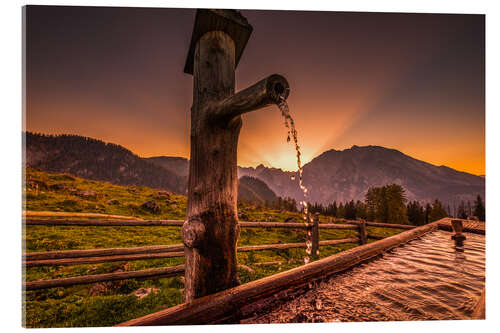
(10, 157)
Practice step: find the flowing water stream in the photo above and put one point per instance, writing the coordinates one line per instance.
(292, 134)
(426, 279)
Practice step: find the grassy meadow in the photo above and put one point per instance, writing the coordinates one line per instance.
(106, 304)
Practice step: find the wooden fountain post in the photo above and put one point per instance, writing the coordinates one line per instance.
(211, 230)
(315, 237)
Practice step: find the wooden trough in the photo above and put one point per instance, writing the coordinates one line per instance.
(225, 306)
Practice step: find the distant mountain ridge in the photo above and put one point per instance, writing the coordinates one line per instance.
(97, 160)
(335, 175)
(94, 159)
(347, 175)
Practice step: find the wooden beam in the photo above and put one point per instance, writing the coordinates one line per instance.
(225, 304)
(66, 282)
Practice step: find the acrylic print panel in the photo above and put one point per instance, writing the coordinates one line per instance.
(246, 166)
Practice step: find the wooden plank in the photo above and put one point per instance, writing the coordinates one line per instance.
(224, 304)
(101, 252)
(66, 282)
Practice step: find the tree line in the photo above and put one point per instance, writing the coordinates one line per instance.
(389, 204)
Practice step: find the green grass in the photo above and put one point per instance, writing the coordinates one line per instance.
(76, 307)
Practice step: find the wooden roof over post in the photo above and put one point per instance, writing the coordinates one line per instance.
(228, 20)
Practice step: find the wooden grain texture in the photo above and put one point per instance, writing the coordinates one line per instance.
(211, 230)
(65, 282)
(225, 304)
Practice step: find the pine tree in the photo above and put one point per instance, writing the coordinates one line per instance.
(462, 213)
(479, 209)
(416, 213)
(428, 210)
(386, 204)
(437, 212)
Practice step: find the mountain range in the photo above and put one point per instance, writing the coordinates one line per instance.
(335, 175)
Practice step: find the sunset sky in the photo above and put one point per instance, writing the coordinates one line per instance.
(413, 82)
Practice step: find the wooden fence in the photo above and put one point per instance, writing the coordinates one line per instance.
(229, 305)
(93, 256)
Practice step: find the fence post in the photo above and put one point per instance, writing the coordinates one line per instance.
(362, 232)
(315, 237)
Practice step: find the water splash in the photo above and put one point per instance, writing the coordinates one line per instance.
(292, 133)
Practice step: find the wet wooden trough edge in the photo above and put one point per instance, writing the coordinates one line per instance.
(222, 305)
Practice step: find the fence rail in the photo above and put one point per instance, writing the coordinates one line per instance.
(93, 256)
(86, 279)
(177, 223)
(80, 257)
(383, 225)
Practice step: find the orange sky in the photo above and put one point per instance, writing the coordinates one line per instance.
(410, 82)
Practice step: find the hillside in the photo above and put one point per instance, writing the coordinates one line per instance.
(97, 160)
(253, 190)
(178, 165)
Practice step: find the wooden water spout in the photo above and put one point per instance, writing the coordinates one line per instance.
(458, 237)
(211, 230)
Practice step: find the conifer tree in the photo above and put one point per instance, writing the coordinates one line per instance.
(479, 209)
